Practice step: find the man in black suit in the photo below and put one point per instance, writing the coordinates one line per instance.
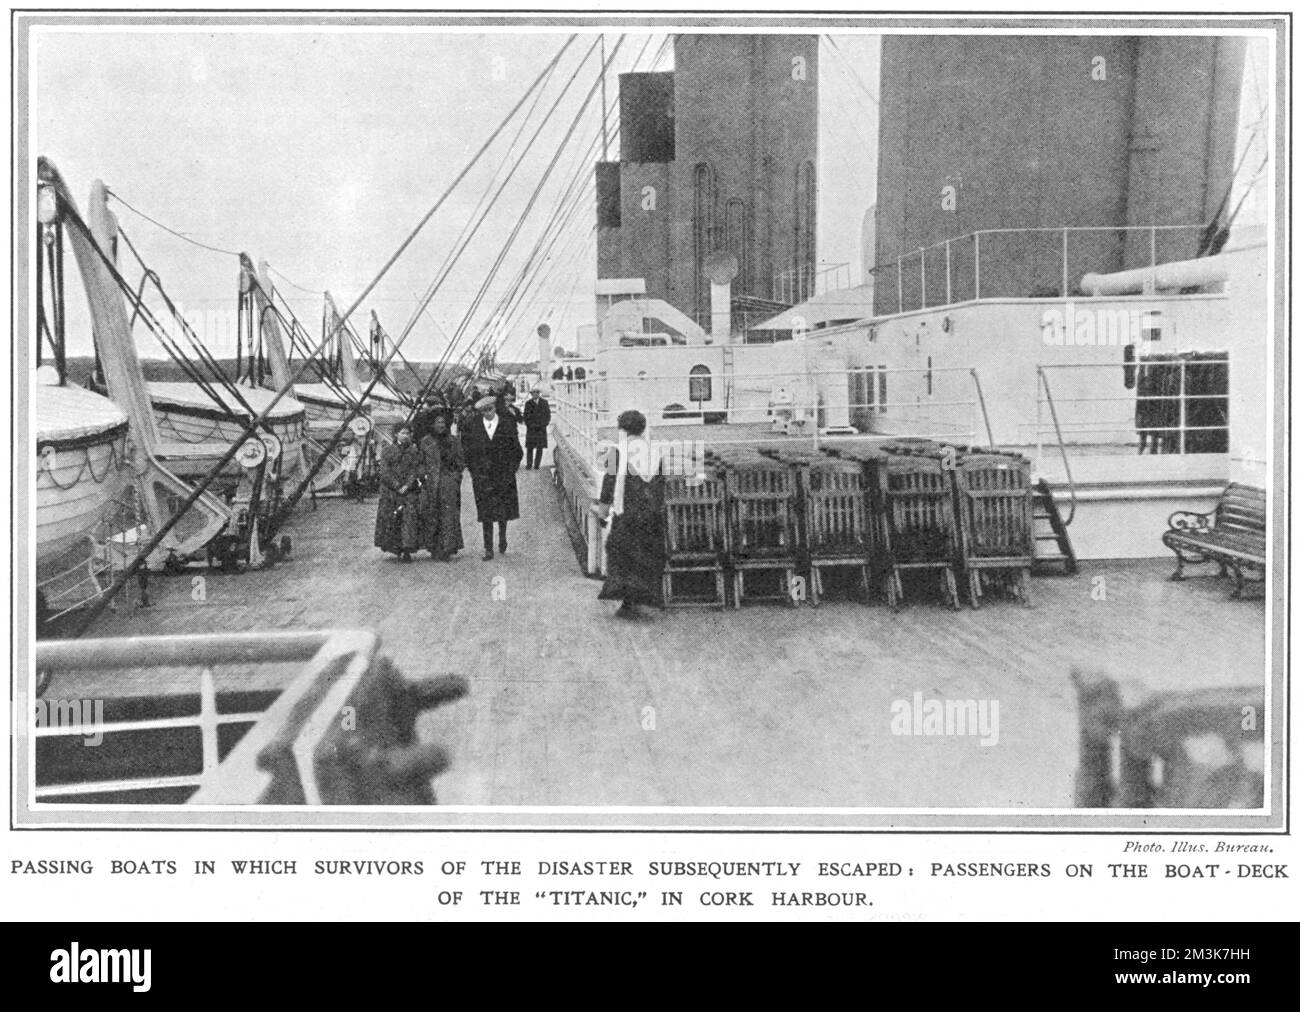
(492, 454)
(537, 417)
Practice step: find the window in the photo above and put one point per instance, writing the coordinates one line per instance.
(868, 396)
(701, 384)
(862, 396)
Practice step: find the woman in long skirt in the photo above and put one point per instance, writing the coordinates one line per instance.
(397, 521)
(635, 543)
(440, 498)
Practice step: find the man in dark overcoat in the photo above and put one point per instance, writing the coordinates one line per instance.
(537, 417)
(490, 442)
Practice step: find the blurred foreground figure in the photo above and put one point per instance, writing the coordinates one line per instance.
(1200, 748)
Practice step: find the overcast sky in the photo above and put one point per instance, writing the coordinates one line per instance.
(319, 151)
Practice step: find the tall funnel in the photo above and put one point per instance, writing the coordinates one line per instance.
(721, 268)
(543, 352)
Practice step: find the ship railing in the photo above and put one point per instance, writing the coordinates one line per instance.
(75, 579)
(940, 403)
(578, 413)
(1089, 404)
(86, 570)
(335, 660)
(1011, 263)
(801, 283)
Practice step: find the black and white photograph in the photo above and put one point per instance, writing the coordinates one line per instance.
(759, 422)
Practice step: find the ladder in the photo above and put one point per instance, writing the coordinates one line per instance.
(1045, 509)
(728, 376)
(1044, 499)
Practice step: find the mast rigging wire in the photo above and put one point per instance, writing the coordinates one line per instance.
(434, 286)
(98, 607)
(515, 292)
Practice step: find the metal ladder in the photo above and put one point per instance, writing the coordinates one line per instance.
(1045, 507)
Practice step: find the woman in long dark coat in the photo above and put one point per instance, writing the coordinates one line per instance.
(397, 522)
(634, 546)
(492, 454)
(440, 497)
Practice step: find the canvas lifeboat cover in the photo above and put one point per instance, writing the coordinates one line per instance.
(189, 395)
(70, 412)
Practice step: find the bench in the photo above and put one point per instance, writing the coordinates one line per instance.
(1233, 535)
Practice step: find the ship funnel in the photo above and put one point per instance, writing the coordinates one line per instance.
(721, 268)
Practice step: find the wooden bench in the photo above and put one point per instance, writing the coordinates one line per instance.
(1233, 535)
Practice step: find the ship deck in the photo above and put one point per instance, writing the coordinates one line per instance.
(767, 706)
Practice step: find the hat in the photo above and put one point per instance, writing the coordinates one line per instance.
(483, 402)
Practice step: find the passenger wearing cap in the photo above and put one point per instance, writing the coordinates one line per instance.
(493, 454)
(537, 418)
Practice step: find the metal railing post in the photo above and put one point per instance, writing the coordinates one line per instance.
(947, 269)
(1182, 405)
(1038, 416)
(208, 720)
(977, 266)
(923, 303)
(1065, 263)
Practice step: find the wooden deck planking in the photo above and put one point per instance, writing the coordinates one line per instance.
(766, 706)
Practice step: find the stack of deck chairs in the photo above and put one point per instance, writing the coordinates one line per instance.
(903, 507)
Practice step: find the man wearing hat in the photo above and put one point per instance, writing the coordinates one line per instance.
(537, 417)
(492, 454)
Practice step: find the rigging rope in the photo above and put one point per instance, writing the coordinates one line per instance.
(518, 295)
(179, 235)
(291, 284)
(116, 461)
(462, 328)
(294, 327)
(338, 434)
(469, 234)
(508, 305)
(168, 342)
